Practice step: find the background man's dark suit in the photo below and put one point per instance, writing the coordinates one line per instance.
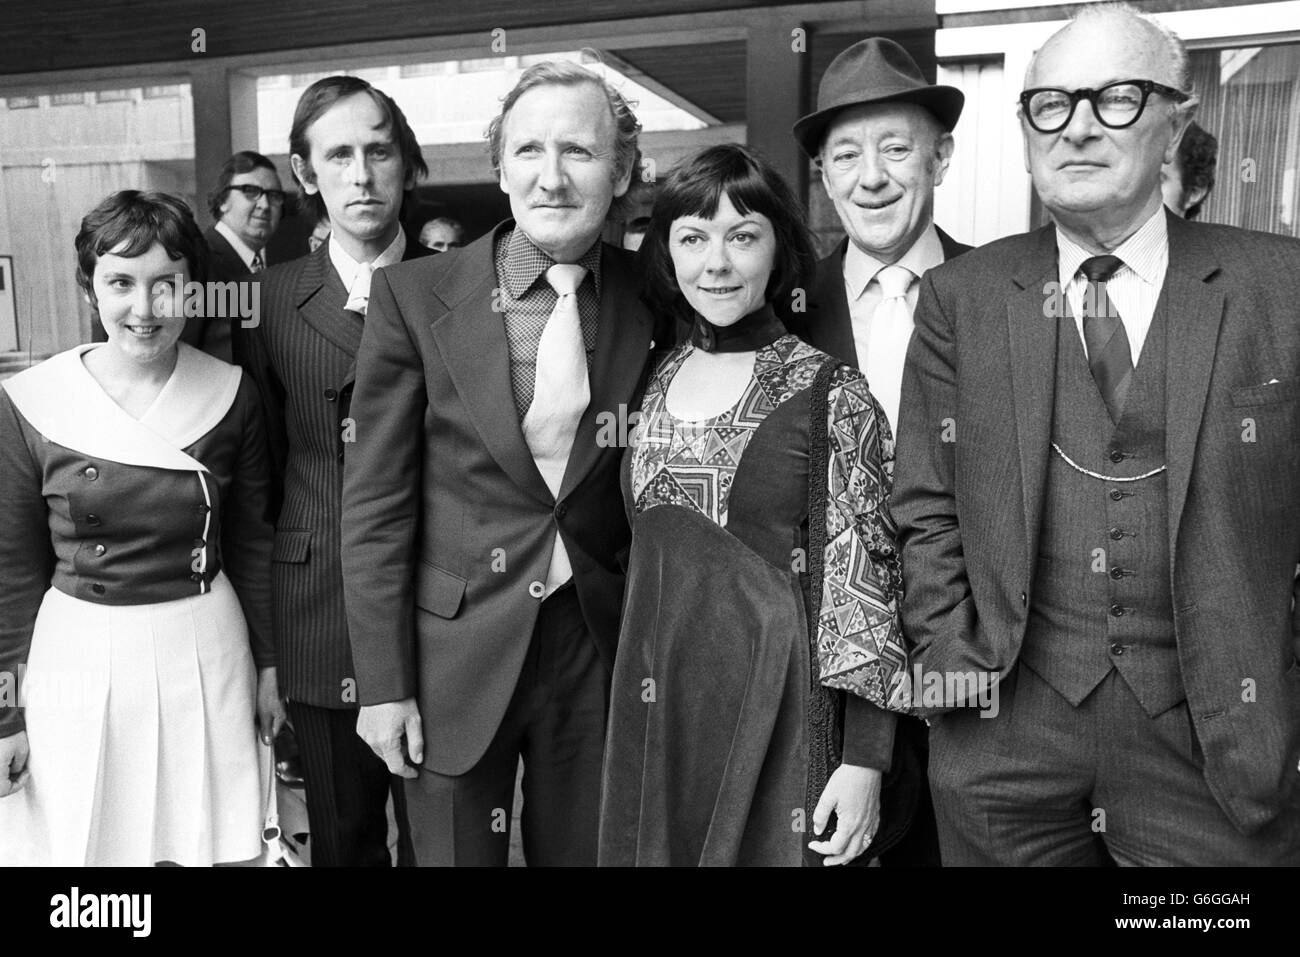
(303, 358)
(828, 325)
(448, 525)
(982, 361)
(213, 335)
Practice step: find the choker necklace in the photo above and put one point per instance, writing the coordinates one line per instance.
(750, 333)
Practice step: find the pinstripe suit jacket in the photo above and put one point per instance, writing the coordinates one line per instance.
(978, 398)
(302, 356)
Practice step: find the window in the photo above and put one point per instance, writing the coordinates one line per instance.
(22, 102)
(1250, 100)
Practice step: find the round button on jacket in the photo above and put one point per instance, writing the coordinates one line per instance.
(92, 519)
(1116, 495)
(100, 549)
(1117, 573)
(1116, 456)
(92, 473)
(1116, 649)
(536, 589)
(331, 395)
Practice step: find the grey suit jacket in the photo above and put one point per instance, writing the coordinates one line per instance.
(447, 524)
(977, 409)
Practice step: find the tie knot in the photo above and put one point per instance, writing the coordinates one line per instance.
(894, 281)
(565, 278)
(1100, 268)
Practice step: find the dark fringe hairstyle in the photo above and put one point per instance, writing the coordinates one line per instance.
(135, 220)
(695, 187)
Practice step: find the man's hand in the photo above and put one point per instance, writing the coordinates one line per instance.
(382, 726)
(13, 763)
(853, 793)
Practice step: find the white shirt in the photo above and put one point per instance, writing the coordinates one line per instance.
(347, 267)
(1134, 288)
(864, 295)
(239, 246)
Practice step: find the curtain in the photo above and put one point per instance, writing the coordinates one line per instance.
(1250, 100)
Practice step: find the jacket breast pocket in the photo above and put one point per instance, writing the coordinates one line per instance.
(292, 545)
(438, 592)
(1266, 393)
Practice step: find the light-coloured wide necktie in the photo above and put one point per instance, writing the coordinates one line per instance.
(891, 330)
(359, 294)
(259, 264)
(561, 393)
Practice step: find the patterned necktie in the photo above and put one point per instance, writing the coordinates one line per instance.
(359, 294)
(561, 394)
(258, 263)
(891, 330)
(1103, 334)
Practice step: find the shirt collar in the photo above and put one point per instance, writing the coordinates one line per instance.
(1142, 252)
(525, 263)
(347, 267)
(238, 245)
(861, 267)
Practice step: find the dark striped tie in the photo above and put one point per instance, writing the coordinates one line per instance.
(1103, 333)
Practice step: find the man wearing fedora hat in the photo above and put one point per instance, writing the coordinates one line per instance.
(882, 138)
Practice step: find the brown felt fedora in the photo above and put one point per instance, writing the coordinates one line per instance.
(875, 70)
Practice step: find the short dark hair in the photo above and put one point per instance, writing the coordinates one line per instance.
(134, 221)
(1198, 156)
(695, 187)
(317, 99)
(245, 161)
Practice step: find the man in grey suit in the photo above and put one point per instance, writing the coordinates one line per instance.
(1099, 498)
(484, 535)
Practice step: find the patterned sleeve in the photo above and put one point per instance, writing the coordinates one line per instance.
(860, 646)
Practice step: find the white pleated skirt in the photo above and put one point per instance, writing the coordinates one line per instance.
(140, 723)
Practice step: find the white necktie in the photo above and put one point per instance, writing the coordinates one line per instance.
(891, 330)
(359, 294)
(561, 393)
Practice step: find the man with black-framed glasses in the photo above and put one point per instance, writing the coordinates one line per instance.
(1114, 401)
(247, 204)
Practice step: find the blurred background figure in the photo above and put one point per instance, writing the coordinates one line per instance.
(442, 234)
(320, 232)
(634, 233)
(248, 204)
(1187, 181)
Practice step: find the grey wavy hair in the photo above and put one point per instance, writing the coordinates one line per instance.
(566, 73)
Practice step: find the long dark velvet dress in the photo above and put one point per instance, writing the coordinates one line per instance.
(722, 729)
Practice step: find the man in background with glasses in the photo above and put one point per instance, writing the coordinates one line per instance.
(1098, 496)
(247, 205)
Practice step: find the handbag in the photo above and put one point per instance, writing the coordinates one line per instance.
(277, 851)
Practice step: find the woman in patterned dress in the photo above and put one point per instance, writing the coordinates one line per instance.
(760, 657)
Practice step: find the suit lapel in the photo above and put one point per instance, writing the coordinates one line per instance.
(832, 305)
(320, 298)
(471, 337)
(1032, 347)
(622, 343)
(1195, 315)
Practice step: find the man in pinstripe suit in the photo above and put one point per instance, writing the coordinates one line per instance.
(355, 157)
